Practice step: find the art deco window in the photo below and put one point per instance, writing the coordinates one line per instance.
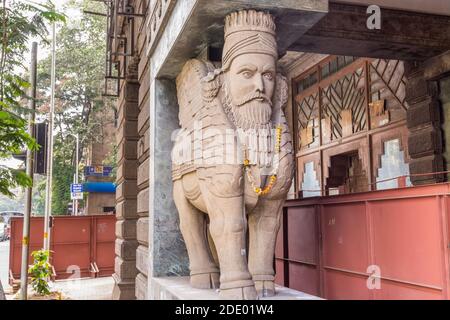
(344, 100)
(310, 184)
(392, 165)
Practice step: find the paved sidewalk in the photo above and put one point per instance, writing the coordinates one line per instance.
(86, 289)
(81, 289)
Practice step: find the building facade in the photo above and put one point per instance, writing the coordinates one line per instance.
(367, 111)
(99, 154)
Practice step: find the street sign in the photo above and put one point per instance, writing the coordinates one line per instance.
(76, 187)
(76, 196)
(98, 171)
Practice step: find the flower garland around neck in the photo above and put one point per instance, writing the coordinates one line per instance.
(258, 190)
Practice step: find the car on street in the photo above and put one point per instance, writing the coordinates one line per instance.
(5, 225)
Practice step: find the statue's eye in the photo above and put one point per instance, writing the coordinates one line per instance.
(268, 76)
(247, 74)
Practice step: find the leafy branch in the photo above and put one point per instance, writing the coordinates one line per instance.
(20, 21)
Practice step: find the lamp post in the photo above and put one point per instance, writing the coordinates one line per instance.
(76, 169)
(75, 178)
(48, 196)
(29, 170)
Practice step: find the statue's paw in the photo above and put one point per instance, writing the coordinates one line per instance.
(265, 288)
(206, 280)
(242, 293)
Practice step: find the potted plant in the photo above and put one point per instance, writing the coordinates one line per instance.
(40, 272)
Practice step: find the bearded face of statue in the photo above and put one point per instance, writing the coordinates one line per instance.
(250, 85)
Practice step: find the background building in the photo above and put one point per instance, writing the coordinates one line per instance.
(98, 155)
(367, 113)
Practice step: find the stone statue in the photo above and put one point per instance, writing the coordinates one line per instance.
(232, 163)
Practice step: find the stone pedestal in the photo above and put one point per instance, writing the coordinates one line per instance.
(178, 288)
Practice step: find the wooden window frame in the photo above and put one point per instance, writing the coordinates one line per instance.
(367, 133)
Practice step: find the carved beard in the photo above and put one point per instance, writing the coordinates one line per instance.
(252, 118)
(248, 113)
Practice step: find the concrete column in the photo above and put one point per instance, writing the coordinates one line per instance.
(167, 251)
(126, 192)
(423, 120)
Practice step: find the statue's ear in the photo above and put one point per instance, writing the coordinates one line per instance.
(281, 94)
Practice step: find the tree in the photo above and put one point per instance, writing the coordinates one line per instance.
(79, 106)
(19, 22)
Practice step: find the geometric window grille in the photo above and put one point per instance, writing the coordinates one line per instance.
(388, 82)
(393, 165)
(308, 114)
(347, 93)
(310, 182)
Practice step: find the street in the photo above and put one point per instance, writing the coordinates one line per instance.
(4, 262)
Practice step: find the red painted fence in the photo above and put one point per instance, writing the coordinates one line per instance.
(329, 246)
(84, 243)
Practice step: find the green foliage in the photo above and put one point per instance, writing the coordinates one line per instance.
(62, 178)
(20, 20)
(111, 160)
(15, 204)
(80, 107)
(38, 198)
(40, 272)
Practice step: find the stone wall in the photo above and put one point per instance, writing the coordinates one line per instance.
(126, 192)
(143, 156)
(133, 154)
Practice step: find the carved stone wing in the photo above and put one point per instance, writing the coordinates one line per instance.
(190, 91)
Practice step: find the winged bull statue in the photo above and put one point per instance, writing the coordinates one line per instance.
(232, 163)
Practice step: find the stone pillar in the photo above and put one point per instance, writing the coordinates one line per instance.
(167, 251)
(126, 193)
(423, 120)
(143, 188)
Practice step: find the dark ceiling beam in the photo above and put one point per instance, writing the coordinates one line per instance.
(403, 35)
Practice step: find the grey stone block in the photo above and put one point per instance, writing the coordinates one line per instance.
(142, 260)
(126, 249)
(142, 231)
(125, 269)
(141, 287)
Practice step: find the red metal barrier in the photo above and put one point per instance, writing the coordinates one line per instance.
(79, 243)
(329, 246)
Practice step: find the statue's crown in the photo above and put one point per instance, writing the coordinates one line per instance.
(249, 20)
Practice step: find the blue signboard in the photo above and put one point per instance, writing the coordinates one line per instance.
(97, 171)
(108, 187)
(76, 187)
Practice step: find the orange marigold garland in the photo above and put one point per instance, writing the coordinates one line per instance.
(273, 178)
